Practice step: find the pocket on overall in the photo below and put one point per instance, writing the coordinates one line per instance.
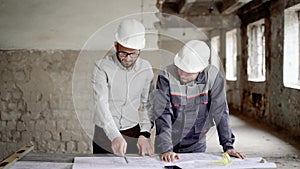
(202, 103)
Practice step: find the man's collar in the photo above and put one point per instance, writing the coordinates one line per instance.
(201, 79)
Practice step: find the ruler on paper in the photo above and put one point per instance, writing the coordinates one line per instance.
(5, 164)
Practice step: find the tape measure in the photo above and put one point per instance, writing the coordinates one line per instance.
(5, 164)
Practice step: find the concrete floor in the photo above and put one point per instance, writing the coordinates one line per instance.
(257, 140)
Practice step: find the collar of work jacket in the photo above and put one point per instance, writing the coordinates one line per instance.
(201, 85)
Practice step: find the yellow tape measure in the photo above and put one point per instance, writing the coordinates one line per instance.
(225, 160)
(15, 156)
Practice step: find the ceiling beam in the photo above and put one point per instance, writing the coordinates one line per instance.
(231, 6)
(210, 22)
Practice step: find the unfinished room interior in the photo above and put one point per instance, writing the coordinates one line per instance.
(48, 50)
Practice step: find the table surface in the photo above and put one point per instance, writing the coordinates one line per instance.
(68, 158)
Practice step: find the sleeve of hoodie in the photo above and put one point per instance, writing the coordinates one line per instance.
(102, 116)
(162, 114)
(220, 113)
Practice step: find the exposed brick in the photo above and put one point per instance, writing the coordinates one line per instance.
(71, 146)
(40, 125)
(26, 136)
(3, 106)
(12, 115)
(16, 136)
(62, 147)
(42, 145)
(36, 102)
(9, 96)
(17, 94)
(46, 136)
(37, 135)
(76, 136)
(82, 147)
(51, 125)
(26, 117)
(11, 125)
(61, 125)
(21, 126)
(21, 106)
(55, 135)
(12, 106)
(54, 101)
(53, 146)
(71, 124)
(47, 114)
(5, 116)
(30, 125)
(20, 75)
(6, 137)
(66, 136)
(3, 125)
(62, 114)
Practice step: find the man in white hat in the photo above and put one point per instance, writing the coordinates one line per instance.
(121, 85)
(189, 99)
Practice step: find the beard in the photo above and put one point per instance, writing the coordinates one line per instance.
(185, 80)
(127, 64)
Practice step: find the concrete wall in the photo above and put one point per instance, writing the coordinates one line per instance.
(268, 102)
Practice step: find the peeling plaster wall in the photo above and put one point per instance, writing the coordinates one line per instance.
(268, 102)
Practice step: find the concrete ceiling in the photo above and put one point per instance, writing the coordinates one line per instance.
(200, 7)
(206, 15)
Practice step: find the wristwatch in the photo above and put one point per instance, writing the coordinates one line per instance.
(145, 134)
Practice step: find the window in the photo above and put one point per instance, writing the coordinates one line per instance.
(291, 68)
(215, 50)
(256, 51)
(231, 54)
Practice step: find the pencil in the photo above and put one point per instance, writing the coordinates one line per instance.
(126, 159)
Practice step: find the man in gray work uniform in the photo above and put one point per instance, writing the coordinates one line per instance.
(189, 99)
(121, 84)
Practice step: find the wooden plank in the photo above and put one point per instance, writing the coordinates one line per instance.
(6, 163)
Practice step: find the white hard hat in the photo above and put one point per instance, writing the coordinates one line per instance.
(193, 56)
(131, 34)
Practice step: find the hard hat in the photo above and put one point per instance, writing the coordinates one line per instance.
(131, 34)
(193, 56)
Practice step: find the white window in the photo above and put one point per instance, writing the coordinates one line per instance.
(231, 54)
(256, 51)
(291, 68)
(215, 50)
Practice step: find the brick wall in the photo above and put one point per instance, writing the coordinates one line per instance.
(36, 103)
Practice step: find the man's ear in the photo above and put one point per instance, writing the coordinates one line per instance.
(116, 45)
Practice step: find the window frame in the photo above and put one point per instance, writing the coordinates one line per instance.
(231, 55)
(256, 51)
(291, 54)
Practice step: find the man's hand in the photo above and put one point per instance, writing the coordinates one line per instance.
(144, 146)
(234, 153)
(169, 157)
(119, 146)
